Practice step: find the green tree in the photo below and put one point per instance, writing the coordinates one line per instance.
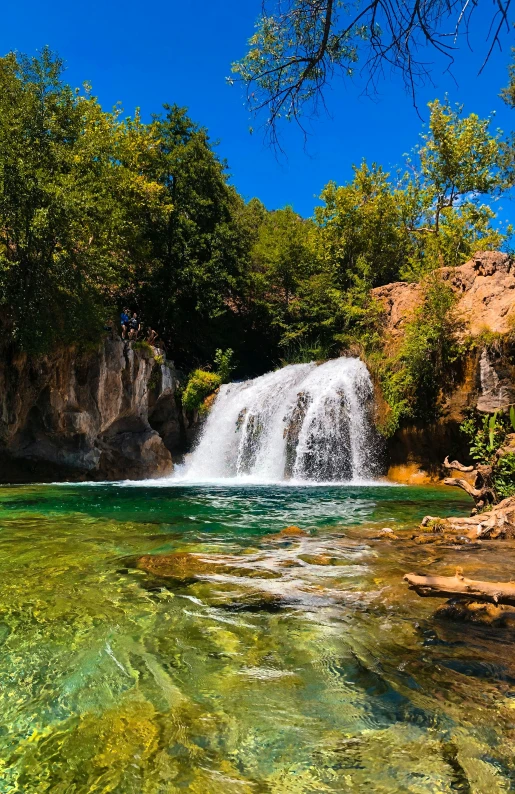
(300, 45)
(508, 145)
(361, 229)
(280, 259)
(508, 93)
(197, 245)
(66, 205)
(457, 166)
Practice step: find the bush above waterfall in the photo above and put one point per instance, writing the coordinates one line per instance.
(224, 364)
(199, 386)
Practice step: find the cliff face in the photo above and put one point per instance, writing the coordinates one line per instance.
(485, 288)
(106, 415)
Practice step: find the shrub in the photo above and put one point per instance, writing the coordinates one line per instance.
(199, 386)
(412, 379)
(224, 364)
(504, 479)
(487, 436)
(154, 379)
(144, 346)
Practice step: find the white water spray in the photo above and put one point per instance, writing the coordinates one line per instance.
(305, 422)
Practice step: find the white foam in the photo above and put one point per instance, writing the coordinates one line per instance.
(303, 424)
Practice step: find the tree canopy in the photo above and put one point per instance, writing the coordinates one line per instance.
(300, 45)
(99, 210)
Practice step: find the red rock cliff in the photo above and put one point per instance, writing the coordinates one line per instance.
(485, 287)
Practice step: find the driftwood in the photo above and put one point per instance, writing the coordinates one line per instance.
(459, 587)
(482, 490)
(456, 465)
(499, 522)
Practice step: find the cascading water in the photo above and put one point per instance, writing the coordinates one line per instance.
(304, 422)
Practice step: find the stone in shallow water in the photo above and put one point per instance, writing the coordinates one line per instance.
(289, 532)
(321, 559)
(477, 612)
(186, 566)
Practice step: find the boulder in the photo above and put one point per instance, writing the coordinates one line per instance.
(485, 286)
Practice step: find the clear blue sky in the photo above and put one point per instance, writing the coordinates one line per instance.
(144, 54)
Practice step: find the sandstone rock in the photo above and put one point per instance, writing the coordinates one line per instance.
(321, 559)
(485, 286)
(289, 532)
(497, 383)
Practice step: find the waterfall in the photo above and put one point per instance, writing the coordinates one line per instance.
(305, 422)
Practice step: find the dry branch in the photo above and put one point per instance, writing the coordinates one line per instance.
(301, 44)
(456, 465)
(482, 491)
(496, 523)
(459, 587)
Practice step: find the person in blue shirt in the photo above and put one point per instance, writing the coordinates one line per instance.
(124, 321)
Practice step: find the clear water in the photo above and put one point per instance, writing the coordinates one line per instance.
(253, 663)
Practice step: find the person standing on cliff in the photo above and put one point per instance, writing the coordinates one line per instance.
(134, 326)
(124, 322)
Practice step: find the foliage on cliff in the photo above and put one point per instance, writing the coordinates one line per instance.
(413, 377)
(99, 210)
(492, 444)
(203, 383)
(199, 386)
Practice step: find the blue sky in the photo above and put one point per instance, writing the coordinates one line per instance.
(166, 51)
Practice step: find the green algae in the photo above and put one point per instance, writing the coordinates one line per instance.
(296, 666)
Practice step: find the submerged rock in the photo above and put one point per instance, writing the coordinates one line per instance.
(187, 566)
(289, 532)
(499, 615)
(321, 559)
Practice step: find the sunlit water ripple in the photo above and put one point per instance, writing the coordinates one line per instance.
(168, 639)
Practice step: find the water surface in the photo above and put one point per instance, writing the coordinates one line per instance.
(254, 662)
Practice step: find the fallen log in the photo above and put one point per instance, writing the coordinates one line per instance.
(459, 587)
(457, 482)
